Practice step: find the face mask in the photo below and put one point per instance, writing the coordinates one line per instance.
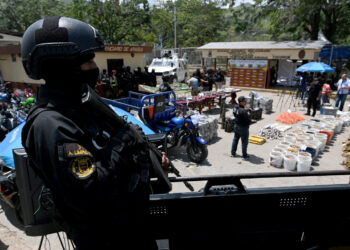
(89, 77)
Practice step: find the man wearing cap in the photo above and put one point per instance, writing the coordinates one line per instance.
(241, 128)
(343, 90)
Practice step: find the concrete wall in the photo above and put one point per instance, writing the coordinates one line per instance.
(14, 71)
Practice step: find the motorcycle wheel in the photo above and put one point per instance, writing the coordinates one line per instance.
(197, 152)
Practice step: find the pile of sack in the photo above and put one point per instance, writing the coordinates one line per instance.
(207, 126)
(256, 101)
(266, 104)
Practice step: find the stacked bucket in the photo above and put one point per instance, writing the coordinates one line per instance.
(303, 145)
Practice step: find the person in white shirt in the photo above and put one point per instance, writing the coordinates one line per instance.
(343, 90)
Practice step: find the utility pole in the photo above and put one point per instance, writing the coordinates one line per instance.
(175, 25)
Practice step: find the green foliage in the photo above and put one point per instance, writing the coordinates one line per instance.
(198, 22)
(17, 15)
(303, 19)
(124, 22)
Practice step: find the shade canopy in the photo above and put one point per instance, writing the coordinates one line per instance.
(315, 67)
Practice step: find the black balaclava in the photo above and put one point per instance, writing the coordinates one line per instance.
(67, 77)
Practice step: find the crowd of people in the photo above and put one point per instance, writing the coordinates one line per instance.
(120, 82)
(203, 80)
(318, 91)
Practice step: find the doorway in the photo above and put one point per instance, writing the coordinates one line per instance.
(116, 64)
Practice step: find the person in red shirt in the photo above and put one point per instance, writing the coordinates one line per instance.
(326, 91)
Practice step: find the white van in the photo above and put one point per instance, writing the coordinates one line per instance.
(174, 66)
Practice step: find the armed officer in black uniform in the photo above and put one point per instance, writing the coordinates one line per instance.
(241, 128)
(100, 185)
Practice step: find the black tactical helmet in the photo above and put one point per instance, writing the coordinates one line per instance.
(58, 41)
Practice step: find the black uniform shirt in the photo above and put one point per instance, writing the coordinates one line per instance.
(242, 116)
(90, 194)
(314, 90)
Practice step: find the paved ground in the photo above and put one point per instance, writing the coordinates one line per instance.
(219, 162)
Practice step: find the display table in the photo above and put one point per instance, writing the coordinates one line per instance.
(208, 99)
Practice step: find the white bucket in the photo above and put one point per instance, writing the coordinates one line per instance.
(285, 143)
(304, 163)
(290, 139)
(323, 139)
(289, 162)
(296, 146)
(339, 127)
(307, 154)
(303, 137)
(283, 146)
(279, 150)
(276, 159)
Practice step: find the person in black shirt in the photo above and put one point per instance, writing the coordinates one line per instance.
(314, 96)
(219, 79)
(241, 127)
(98, 181)
(165, 86)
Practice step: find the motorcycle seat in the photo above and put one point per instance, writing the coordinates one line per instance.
(156, 137)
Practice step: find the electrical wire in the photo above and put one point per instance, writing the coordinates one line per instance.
(39, 198)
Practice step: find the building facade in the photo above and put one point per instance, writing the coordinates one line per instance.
(263, 63)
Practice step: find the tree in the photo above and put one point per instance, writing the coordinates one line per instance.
(198, 22)
(17, 15)
(303, 19)
(123, 22)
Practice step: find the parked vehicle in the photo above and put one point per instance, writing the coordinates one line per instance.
(158, 111)
(172, 65)
(14, 107)
(181, 131)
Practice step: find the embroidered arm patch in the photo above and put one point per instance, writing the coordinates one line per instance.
(81, 163)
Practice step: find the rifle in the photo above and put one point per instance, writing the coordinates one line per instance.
(99, 110)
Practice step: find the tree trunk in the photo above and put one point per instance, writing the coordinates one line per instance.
(315, 25)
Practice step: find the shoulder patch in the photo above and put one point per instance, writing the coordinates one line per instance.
(74, 150)
(82, 167)
(80, 161)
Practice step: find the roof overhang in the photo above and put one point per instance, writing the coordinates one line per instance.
(262, 50)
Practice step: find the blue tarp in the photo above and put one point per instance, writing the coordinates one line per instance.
(11, 141)
(341, 52)
(13, 138)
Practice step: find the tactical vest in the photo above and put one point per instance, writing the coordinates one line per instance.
(114, 81)
(105, 79)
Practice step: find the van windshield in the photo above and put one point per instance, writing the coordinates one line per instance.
(162, 63)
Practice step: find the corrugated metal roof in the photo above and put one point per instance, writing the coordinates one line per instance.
(318, 44)
(8, 39)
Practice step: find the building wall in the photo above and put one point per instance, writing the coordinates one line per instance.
(133, 62)
(14, 71)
